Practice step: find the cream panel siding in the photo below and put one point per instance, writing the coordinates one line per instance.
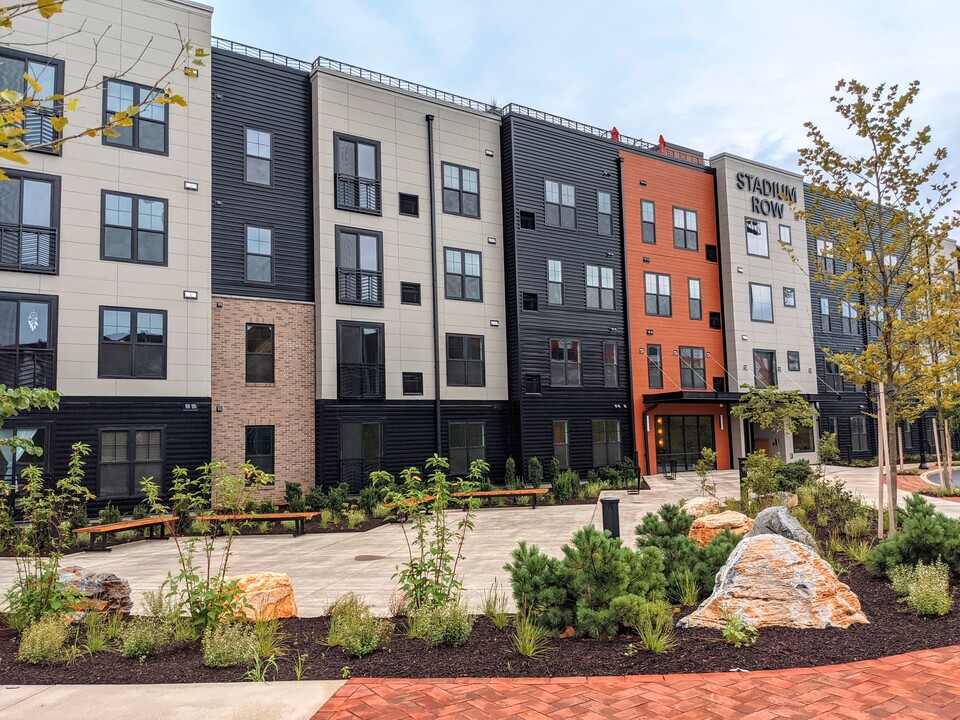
(87, 167)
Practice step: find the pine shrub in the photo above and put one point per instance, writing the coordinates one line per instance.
(510, 474)
(535, 472)
(109, 514)
(293, 494)
(566, 485)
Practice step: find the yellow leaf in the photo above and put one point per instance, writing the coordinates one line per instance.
(59, 123)
(10, 96)
(200, 52)
(107, 132)
(33, 83)
(13, 156)
(172, 100)
(72, 104)
(49, 8)
(3, 175)
(90, 132)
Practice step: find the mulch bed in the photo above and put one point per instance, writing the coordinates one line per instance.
(488, 653)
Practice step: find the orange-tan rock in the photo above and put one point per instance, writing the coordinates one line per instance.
(698, 507)
(706, 528)
(769, 580)
(266, 596)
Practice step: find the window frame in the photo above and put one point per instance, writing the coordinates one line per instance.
(416, 203)
(833, 380)
(55, 215)
(828, 261)
(131, 460)
(455, 468)
(134, 318)
(647, 294)
(691, 369)
(52, 350)
(792, 294)
(559, 224)
(826, 324)
(137, 119)
(699, 299)
(754, 303)
(462, 275)
(382, 365)
(410, 286)
(861, 439)
(557, 283)
(789, 239)
(465, 337)
(566, 363)
(134, 228)
(57, 89)
(247, 254)
(654, 366)
(607, 443)
(608, 215)
(377, 182)
(413, 377)
(602, 291)
(563, 457)
(247, 156)
(19, 462)
(359, 424)
(773, 367)
(339, 231)
(272, 354)
(652, 224)
(802, 431)
(273, 447)
(686, 231)
(793, 361)
(761, 237)
(615, 365)
(461, 192)
(849, 319)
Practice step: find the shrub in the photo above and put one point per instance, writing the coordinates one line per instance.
(937, 491)
(229, 645)
(126, 536)
(535, 472)
(832, 502)
(143, 637)
(829, 451)
(354, 627)
(156, 604)
(141, 511)
(857, 527)
(652, 623)
(510, 474)
(857, 550)
(109, 514)
(542, 582)
(591, 490)
(627, 470)
(78, 518)
(326, 518)
(293, 494)
(368, 500)
(901, 576)
(43, 642)
(316, 499)
(356, 518)
(267, 507)
(737, 631)
(530, 639)
(930, 590)
(554, 467)
(382, 512)
(926, 536)
(567, 484)
(448, 624)
(793, 475)
(337, 497)
(763, 473)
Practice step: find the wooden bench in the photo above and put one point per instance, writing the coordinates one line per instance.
(298, 519)
(157, 527)
(525, 492)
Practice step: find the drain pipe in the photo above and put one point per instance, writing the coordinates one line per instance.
(436, 300)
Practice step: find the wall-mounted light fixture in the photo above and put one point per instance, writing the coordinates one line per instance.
(643, 183)
(219, 303)
(740, 270)
(190, 185)
(721, 422)
(219, 408)
(744, 367)
(646, 259)
(675, 353)
(743, 337)
(488, 152)
(649, 332)
(494, 323)
(190, 407)
(708, 355)
(491, 241)
(190, 294)
(641, 351)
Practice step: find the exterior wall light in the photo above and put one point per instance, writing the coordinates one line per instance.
(190, 185)
(190, 295)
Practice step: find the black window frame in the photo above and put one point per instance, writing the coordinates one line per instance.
(849, 319)
(254, 355)
(138, 118)
(368, 282)
(828, 262)
(859, 439)
(134, 478)
(685, 245)
(793, 361)
(19, 463)
(408, 197)
(658, 296)
(247, 255)
(561, 450)
(339, 177)
(566, 363)
(554, 285)
(765, 236)
(43, 359)
(772, 356)
(464, 340)
(781, 228)
(458, 465)
(529, 302)
(754, 304)
(355, 471)
(605, 296)
(133, 344)
(46, 114)
(832, 376)
(651, 225)
(247, 156)
(611, 371)
(369, 377)
(792, 294)
(462, 275)
(461, 193)
(20, 229)
(602, 455)
(250, 457)
(134, 228)
(414, 379)
(407, 289)
(559, 205)
(809, 435)
(825, 315)
(654, 366)
(532, 384)
(689, 372)
(605, 219)
(695, 302)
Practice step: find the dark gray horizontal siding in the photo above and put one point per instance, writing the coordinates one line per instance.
(283, 108)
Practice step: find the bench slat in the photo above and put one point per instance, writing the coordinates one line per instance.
(501, 493)
(127, 525)
(260, 516)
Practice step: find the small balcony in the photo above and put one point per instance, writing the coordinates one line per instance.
(28, 367)
(362, 381)
(359, 287)
(358, 194)
(28, 249)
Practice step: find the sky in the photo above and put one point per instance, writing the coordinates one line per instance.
(736, 76)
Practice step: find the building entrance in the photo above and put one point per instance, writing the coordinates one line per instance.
(680, 439)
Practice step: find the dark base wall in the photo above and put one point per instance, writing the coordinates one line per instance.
(185, 434)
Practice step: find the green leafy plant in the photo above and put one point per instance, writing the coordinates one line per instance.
(857, 527)
(687, 591)
(293, 494)
(355, 628)
(926, 536)
(261, 669)
(356, 518)
(627, 471)
(554, 467)
(566, 485)
(326, 518)
(109, 514)
(495, 605)
(449, 624)
(229, 644)
(829, 450)
(530, 639)
(929, 589)
(43, 642)
(704, 464)
(794, 474)
(763, 473)
(857, 550)
(738, 632)
(300, 665)
(653, 626)
(114, 626)
(900, 577)
(345, 672)
(143, 637)
(590, 490)
(95, 633)
(271, 641)
(535, 472)
(510, 474)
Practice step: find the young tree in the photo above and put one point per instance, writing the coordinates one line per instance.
(771, 408)
(895, 196)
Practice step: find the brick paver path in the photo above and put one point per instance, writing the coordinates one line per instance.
(924, 684)
(912, 483)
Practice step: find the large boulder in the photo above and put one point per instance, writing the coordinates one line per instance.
(100, 591)
(698, 507)
(266, 596)
(706, 528)
(777, 520)
(769, 580)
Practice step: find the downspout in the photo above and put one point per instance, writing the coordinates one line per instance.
(626, 301)
(646, 436)
(436, 300)
(723, 320)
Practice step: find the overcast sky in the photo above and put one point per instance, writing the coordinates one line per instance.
(739, 77)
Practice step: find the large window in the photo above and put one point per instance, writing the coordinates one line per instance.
(611, 364)
(606, 443)
(258, 157)
(259, 254)
(693, 371)
(14, 459)
(463, 278)
(148, 133)
(564, 363)
(465, 363)
(648, 222)
(260, 353)
(825, 255)
(29, 215)
(360, 365)
(599, 287)
(359, 267)
(260, 449)
(554, 282)
(48, 74)
(28, 355)
(685, 229)
(468, 442)
(761, 303)
(654, 367)
(461, 190)
(803, 440)
(134, 228)
(361, 452)
(604, 213)
(657, 294)
(696, 302)
(127, 456)
(764, 368)
(561, 205)
(758, 242)
(848, 318)
(832, 376)
(357, 174)
(561, 442)
(825, 314)
(858, 434)
(133, 343)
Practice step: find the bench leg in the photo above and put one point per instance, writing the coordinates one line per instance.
(535, 501)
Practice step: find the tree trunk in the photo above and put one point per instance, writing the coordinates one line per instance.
(948, 453)
(936, 445)
(890, 439)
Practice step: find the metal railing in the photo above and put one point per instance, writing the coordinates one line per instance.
(365, 381)
(23, 247)
(259, 54)
(28, 367)
(356, 472)
(357, 193)
(364, 287)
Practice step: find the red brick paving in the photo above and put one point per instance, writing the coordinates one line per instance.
(913, 483)
(918, 685)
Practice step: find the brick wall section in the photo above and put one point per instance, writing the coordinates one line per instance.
(287, 404)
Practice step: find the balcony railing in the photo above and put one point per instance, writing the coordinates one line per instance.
(362, 381)
(33, 249)
(28, 367)
(356, 472)
(361, 287)
(356, 193)
(259, 54)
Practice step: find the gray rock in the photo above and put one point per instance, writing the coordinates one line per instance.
(777, 520)
(105, 592)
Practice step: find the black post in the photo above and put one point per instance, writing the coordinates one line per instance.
(436, 301)
(923, 441)
(611, 515)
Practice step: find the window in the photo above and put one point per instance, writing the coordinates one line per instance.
(260, 353)
(825, 314)
(465, 363)
(764, 368)
(29, 215)
(654, 367)
(13, 459)
(528, 220)
(463, 275)
(359, 267)
(874, 321)
(693, 374)
(599, 287)
(685, 229)
(789, 297)
(657, 294)
(648, 222)
(611, 361)
(134, 229)
(133, 343)
(848, 318)
(761, 303)
(48, 74)
(831, 424)
(825, 255)
(409, 205)
(361, 452)
(259, 254)
(561, 443)
(907, 437)
(803, 440)
(714, 318)
(357, 168)
(711, 253)
(410, 293)
(258, 164)
(793, 360)
(858, 434)
(531, 301)
(461, 190)
(28, 356)
(467, 443)
(413, 383)
(832, 376)
(561, 205)
(532, 384)
(360, 366)
(127, 456)
(696, 304)
(565, 363)
(148, 133)
(757, 241)
(604, 213)
(554, 282)
(260, 447)
(606, 442)
(785, 237)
